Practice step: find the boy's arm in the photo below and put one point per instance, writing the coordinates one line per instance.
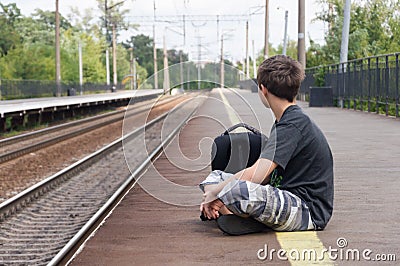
(257, 173)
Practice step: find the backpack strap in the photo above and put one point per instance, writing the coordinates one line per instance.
(246, 126)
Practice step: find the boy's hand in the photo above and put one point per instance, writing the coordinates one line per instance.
(211, 209)
(210, 205)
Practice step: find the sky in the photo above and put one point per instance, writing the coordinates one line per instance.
(199, 32)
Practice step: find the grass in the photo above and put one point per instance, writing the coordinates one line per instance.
(374, 107)
(20, 130)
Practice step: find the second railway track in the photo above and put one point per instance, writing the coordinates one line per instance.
(15, 147)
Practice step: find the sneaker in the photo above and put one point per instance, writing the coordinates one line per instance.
(235, 225)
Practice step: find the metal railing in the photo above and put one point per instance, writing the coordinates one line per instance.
(20, 89)
(369, 84)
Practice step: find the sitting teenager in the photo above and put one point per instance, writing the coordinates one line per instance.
(290, 186)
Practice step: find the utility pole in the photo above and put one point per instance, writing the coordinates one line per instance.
(217, 28)
(266, 30)
(131, 68)
(58, 58)
(247, 51)
(166, 70)
(254, 61)
(184, 30)
(107, 67)
(155, 59)
(155, 49)
(285, 35)
(301, 49)
(181, 68)
(344, 47)
(80, 67)
(199, 65)
(188, 76)
(108, 44)
(114, 48)
(135, 83)
(180, 54)
(216, 66)
(222, 62)
(114, 44)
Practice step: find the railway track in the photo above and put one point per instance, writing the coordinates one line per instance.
(34, 134)
(14, 147)
(46, 223)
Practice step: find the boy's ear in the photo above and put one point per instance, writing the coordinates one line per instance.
(263, 89)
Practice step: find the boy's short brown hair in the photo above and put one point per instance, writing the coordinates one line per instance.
(281, 75)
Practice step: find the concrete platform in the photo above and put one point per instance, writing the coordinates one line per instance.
(26, 105)
(15, 114)
(365, 223)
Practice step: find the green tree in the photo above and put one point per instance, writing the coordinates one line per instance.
(143, 51)
(114, 16)
(92, 58)
(260, 55)
(374, 30)
(29, 62)
(9, 16)
(33, 56)
(174, 56)
(315, 55)
(40, 27)
(85, 22)
(291, 49)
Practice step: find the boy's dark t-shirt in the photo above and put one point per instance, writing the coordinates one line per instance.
(305, 164)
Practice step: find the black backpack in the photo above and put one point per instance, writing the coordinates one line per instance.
(232, 152)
